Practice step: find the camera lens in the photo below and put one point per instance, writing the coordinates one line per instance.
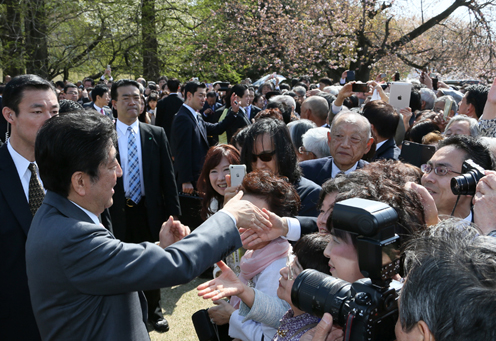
(316, 293)
(464, 184)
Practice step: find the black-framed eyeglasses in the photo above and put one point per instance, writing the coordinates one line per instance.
(439, 170)
(265, 156)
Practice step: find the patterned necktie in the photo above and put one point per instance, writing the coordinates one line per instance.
(36, 192)
(133, 165)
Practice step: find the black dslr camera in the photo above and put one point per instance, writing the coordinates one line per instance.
(466, 183)
(368, 308)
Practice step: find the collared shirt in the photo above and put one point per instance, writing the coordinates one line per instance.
(122, 137)
(248, 112)
(377, 146)
(92, 215)
(97, 108)
(22, 164)
(336, 170)
(469, 217)
(192, 111)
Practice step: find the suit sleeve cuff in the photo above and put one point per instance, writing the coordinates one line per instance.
(230, 215)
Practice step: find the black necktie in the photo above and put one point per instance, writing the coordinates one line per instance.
(36, 192)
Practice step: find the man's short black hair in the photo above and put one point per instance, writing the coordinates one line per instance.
(477, 96)
(14, 89)
(68, 143)
(121, 83)
(473, 149)
(327, 81)
(211, 94)
(99, 90)
(69, 86)
(173, 84)
(66, 105)
(383, 116)
(88, 79)
(192, 87)
(59, 84)
(305, 78)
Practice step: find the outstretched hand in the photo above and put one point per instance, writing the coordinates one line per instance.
(247, 215)
(171, 232)
(226, 285)
(251, 238)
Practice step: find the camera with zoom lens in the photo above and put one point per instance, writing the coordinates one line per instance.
(368, 308)
(466, 183)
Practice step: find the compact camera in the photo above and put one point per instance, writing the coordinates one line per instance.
(466, 183)
(368, 308)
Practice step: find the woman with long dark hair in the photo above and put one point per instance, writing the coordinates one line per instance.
(268, 146)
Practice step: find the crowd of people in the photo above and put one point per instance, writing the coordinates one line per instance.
(91, 176)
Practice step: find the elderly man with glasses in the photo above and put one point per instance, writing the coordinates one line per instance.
(445, 164)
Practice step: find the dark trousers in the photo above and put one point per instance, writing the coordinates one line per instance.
(138, 231)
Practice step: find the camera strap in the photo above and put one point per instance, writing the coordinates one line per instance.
(349, 323)
(456, 204)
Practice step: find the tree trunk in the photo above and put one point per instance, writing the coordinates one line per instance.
(12, 42)
(36, 38)
(151, 62)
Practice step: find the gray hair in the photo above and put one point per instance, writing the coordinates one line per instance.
(454, 106)
(451, 283)
(300, 91)
(429, 97)
(332, 89)
(319, 106)
(297, 129)
(315, 141)
(286, 99)
(473, 123)
(490, 143)
(343, 115)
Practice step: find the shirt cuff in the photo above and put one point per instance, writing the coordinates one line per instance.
(342, 81)
(294, 229)
(230, 215)
(335, 109)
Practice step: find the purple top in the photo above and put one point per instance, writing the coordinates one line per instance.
(293, 327)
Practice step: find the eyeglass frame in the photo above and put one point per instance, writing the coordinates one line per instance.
(436, 169)
(260, 156)
(290, 262)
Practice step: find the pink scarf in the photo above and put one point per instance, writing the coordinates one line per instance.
(255, 261)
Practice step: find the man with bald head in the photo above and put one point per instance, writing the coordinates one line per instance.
(315, 109)
(349, 139)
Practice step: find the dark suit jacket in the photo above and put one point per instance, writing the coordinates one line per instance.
(320, 170)
(106, 110)
(190, 144)
(16, 315)
(309, 193)
(86, 285)
(240, 121)
(160, 187)
(253, 112)
(167, 108)
(208, 118)
(388, 151)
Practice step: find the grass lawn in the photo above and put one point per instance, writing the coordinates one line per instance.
(178, 304)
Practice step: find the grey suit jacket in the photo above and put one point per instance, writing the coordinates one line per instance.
(86, 285)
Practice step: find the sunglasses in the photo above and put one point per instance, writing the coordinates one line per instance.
(264, 157)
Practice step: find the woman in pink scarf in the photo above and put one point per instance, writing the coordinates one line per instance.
(260, 266)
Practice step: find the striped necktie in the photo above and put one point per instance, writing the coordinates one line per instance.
(133, 173)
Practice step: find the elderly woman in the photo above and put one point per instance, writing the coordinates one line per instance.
(260, 265)
(268, 146)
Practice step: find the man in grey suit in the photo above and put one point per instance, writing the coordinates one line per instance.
(83, 282)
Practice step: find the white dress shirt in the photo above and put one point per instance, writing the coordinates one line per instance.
(336, 170)
(122, 137)
(92, 215)
(22, 164)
